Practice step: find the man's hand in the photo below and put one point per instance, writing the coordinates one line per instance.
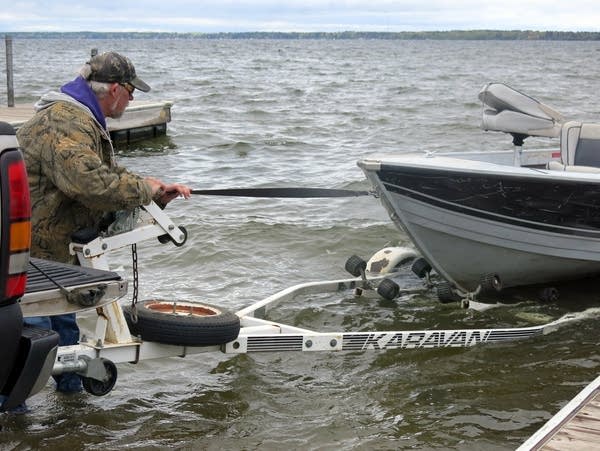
(165, 193)
(174, 190)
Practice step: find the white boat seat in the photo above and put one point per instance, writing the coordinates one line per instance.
(558, 166)
(580, 144)
(514, 122)
(510, 111)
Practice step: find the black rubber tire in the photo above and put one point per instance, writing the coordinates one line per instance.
(388, 289)
(420, 267)
(490, 283)
(549, 294)
(193, 324)
(101, 388)
(445, 293)
(355, 265)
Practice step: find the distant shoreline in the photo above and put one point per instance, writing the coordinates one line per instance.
(469, 35)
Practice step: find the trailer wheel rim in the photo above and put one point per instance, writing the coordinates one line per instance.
(181, 308)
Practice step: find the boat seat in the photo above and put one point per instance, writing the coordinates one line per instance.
(508, 110)
(580, 144)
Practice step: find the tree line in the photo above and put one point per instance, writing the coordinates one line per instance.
(529, 35)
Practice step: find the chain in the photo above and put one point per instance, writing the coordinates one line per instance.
(134, 299)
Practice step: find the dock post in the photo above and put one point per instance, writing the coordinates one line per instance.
(10, 92)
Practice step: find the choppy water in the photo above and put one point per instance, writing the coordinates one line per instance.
(301, 113)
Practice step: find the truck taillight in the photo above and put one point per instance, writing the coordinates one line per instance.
(20, 205)
(16, 225)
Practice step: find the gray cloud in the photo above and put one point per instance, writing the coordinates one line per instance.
(299, 15)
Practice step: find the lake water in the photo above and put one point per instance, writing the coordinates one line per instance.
(251, 113)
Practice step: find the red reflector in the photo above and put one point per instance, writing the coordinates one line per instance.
(20, 204)
(555, 154)
(15, 285)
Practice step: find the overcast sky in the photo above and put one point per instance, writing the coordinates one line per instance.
(299, 15)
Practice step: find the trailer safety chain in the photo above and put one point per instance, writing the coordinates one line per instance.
(134, 298)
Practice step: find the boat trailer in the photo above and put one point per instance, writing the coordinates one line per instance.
(112, 341)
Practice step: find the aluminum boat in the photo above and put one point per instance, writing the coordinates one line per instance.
(501, 218)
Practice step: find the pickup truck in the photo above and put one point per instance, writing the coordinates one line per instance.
(27, 354)
(31, 287)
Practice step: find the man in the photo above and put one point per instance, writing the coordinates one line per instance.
(73, 176)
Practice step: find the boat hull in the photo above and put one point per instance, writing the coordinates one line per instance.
(525, 226)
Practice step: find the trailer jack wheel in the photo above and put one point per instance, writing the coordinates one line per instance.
(101, 387)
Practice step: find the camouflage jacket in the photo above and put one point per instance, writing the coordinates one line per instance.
(73, 177)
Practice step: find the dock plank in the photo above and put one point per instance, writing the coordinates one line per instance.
(16, 115)
(141, 119)
(572, 438)
(575, 427)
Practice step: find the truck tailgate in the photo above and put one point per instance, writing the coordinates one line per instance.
(43, 296)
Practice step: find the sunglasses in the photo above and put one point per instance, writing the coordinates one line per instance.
(129, 87)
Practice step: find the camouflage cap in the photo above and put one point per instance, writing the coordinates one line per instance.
(111, 67)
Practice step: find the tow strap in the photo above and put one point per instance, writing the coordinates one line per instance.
(299, 193)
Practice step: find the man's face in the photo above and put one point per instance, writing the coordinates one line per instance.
(122, 94)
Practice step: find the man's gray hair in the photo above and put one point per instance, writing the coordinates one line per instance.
(99, 88)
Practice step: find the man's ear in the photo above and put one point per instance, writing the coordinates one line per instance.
(114, 89)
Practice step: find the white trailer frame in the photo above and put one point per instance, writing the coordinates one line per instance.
(112, 341)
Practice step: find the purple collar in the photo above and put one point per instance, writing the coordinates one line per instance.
(80, 91)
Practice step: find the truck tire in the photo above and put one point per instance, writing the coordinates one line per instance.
(182, 323)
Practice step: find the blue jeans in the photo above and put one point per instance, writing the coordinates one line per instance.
(68, 332)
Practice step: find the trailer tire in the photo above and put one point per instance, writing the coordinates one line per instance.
(355, 265)
(491, 283)
(549, 294)
(388, 289)
(420, 267)
(182, 323)
(446, 294)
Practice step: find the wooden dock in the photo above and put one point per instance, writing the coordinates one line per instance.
(141, 120)
(575, 427)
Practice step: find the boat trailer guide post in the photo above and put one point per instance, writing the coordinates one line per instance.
(112, 341)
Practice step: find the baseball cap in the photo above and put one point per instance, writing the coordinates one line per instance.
(111, 67)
